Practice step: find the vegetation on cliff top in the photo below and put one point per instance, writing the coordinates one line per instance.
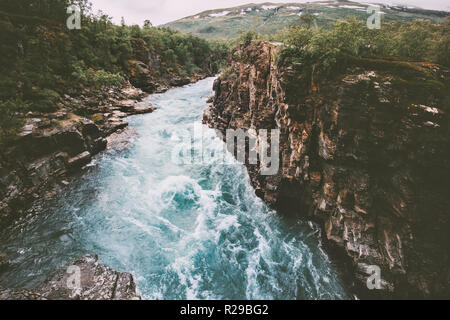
(403, 48)
(41, 59)
(328, 49)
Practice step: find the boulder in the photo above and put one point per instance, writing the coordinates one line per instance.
(84, 278)
(121, 139)
(133, 93)
(143, 107)
(46, 168)
(179, 82)
(161, 88)
(97, 146)
(119, 114)
(96, 282)
(68, 139)
(141, 76)
(89, 128)
(126, 105)
(114, 124)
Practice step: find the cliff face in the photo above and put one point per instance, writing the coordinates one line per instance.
(365, 154)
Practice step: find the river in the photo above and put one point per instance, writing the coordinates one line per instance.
(184, 231)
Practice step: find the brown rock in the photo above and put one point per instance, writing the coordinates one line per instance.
(79, 160)
(143, 107)
(97, 282)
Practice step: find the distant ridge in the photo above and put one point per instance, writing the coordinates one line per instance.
(268, 18)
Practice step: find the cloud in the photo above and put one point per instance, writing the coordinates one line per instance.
(163, 11)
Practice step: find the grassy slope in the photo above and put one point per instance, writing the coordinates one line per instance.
(277, 16)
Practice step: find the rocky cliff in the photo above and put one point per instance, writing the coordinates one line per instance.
(96, 282)
(364, 153)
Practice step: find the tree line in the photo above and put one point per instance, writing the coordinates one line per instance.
(41, 59)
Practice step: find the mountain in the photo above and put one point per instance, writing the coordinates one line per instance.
(268, 18)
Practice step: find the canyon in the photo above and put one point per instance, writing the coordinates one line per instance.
(363, 153)
(90, 127)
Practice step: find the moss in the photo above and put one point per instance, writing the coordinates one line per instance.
(97, 118)
(45, 100)
(402, 68)
(432, 85)
(209, 29)
(10, 123)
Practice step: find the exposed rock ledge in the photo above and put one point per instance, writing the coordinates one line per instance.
(366, 154)
(97, 282)
(54, 145)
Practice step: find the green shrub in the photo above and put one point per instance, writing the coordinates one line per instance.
(443, 45)
(414, 40)
(246, 38)
(102, 78)
(95, 78)
(326, 49)
(10, 122)
(79, 73)
(45, 100)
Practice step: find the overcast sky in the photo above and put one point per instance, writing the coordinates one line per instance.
(163, 11)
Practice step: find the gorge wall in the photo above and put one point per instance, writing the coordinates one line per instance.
(365, 154)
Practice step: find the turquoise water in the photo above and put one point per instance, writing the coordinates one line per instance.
(184, 231)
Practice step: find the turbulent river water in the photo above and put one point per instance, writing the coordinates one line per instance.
(184, 231)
